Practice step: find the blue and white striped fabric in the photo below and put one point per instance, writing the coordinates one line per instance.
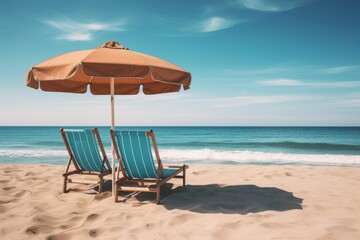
(135, 151)
(85, 149)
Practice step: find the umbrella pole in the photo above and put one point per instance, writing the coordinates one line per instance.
(112, 90)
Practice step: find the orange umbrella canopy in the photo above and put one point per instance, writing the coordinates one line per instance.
(74, 71)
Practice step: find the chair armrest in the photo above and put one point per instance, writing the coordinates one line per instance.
(176, 166)
(70, 173)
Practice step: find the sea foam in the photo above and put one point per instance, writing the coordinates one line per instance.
(35, 153)
(255, 157)
(211, 156)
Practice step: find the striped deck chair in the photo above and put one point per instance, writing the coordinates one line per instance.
(83, 148)
(136, 163)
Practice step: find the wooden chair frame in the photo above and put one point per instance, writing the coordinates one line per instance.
(77, 170)
(154, 185)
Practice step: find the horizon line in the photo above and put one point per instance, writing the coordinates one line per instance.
(180, 126)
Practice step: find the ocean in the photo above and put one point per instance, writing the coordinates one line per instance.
(202, 145)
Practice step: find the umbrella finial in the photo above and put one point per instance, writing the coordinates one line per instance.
(112, 44)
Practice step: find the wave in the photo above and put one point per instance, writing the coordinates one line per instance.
(282, 145)
(315, 146)
(254, 157)
(47, 143)
(211, 156)
(38, 153)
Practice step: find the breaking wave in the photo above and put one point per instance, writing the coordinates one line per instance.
(210, 156)
(254, 157)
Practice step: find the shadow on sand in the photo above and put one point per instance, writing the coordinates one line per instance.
(214, 198)
(236, 199)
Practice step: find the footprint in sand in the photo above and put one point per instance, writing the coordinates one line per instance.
(8, 201)
(21, 193)
(65, 226)
(8, 188)
(102, 196)
(92, 216)
(31, 230)
(183, 217)
(36, 229)
(30, 174)
(199, 172)
(149, 225)
(93, 233)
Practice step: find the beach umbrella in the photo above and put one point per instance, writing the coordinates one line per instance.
(110, 69)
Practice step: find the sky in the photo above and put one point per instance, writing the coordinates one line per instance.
(253, 62)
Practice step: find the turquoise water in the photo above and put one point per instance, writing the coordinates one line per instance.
(226, 145)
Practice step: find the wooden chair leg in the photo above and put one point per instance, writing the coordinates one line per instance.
(65, 182)
(157, 194)
(184, 175)
(118, 173)
(116, 193)
(101, 184)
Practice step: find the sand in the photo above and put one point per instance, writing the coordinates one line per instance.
(219, 202)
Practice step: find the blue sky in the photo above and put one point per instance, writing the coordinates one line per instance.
(253, 62)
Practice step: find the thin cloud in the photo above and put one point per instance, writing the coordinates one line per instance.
(216, 24)
(297, 83)
(293, 70)
(257, 71)
(71, 30)
(351, 102)
(254, 100)
(269, 5)
(342, 69)
(213, 24)
(77, 37)
(347, 84)
(281, 82)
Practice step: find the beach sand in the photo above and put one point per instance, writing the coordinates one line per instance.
(219, 202)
